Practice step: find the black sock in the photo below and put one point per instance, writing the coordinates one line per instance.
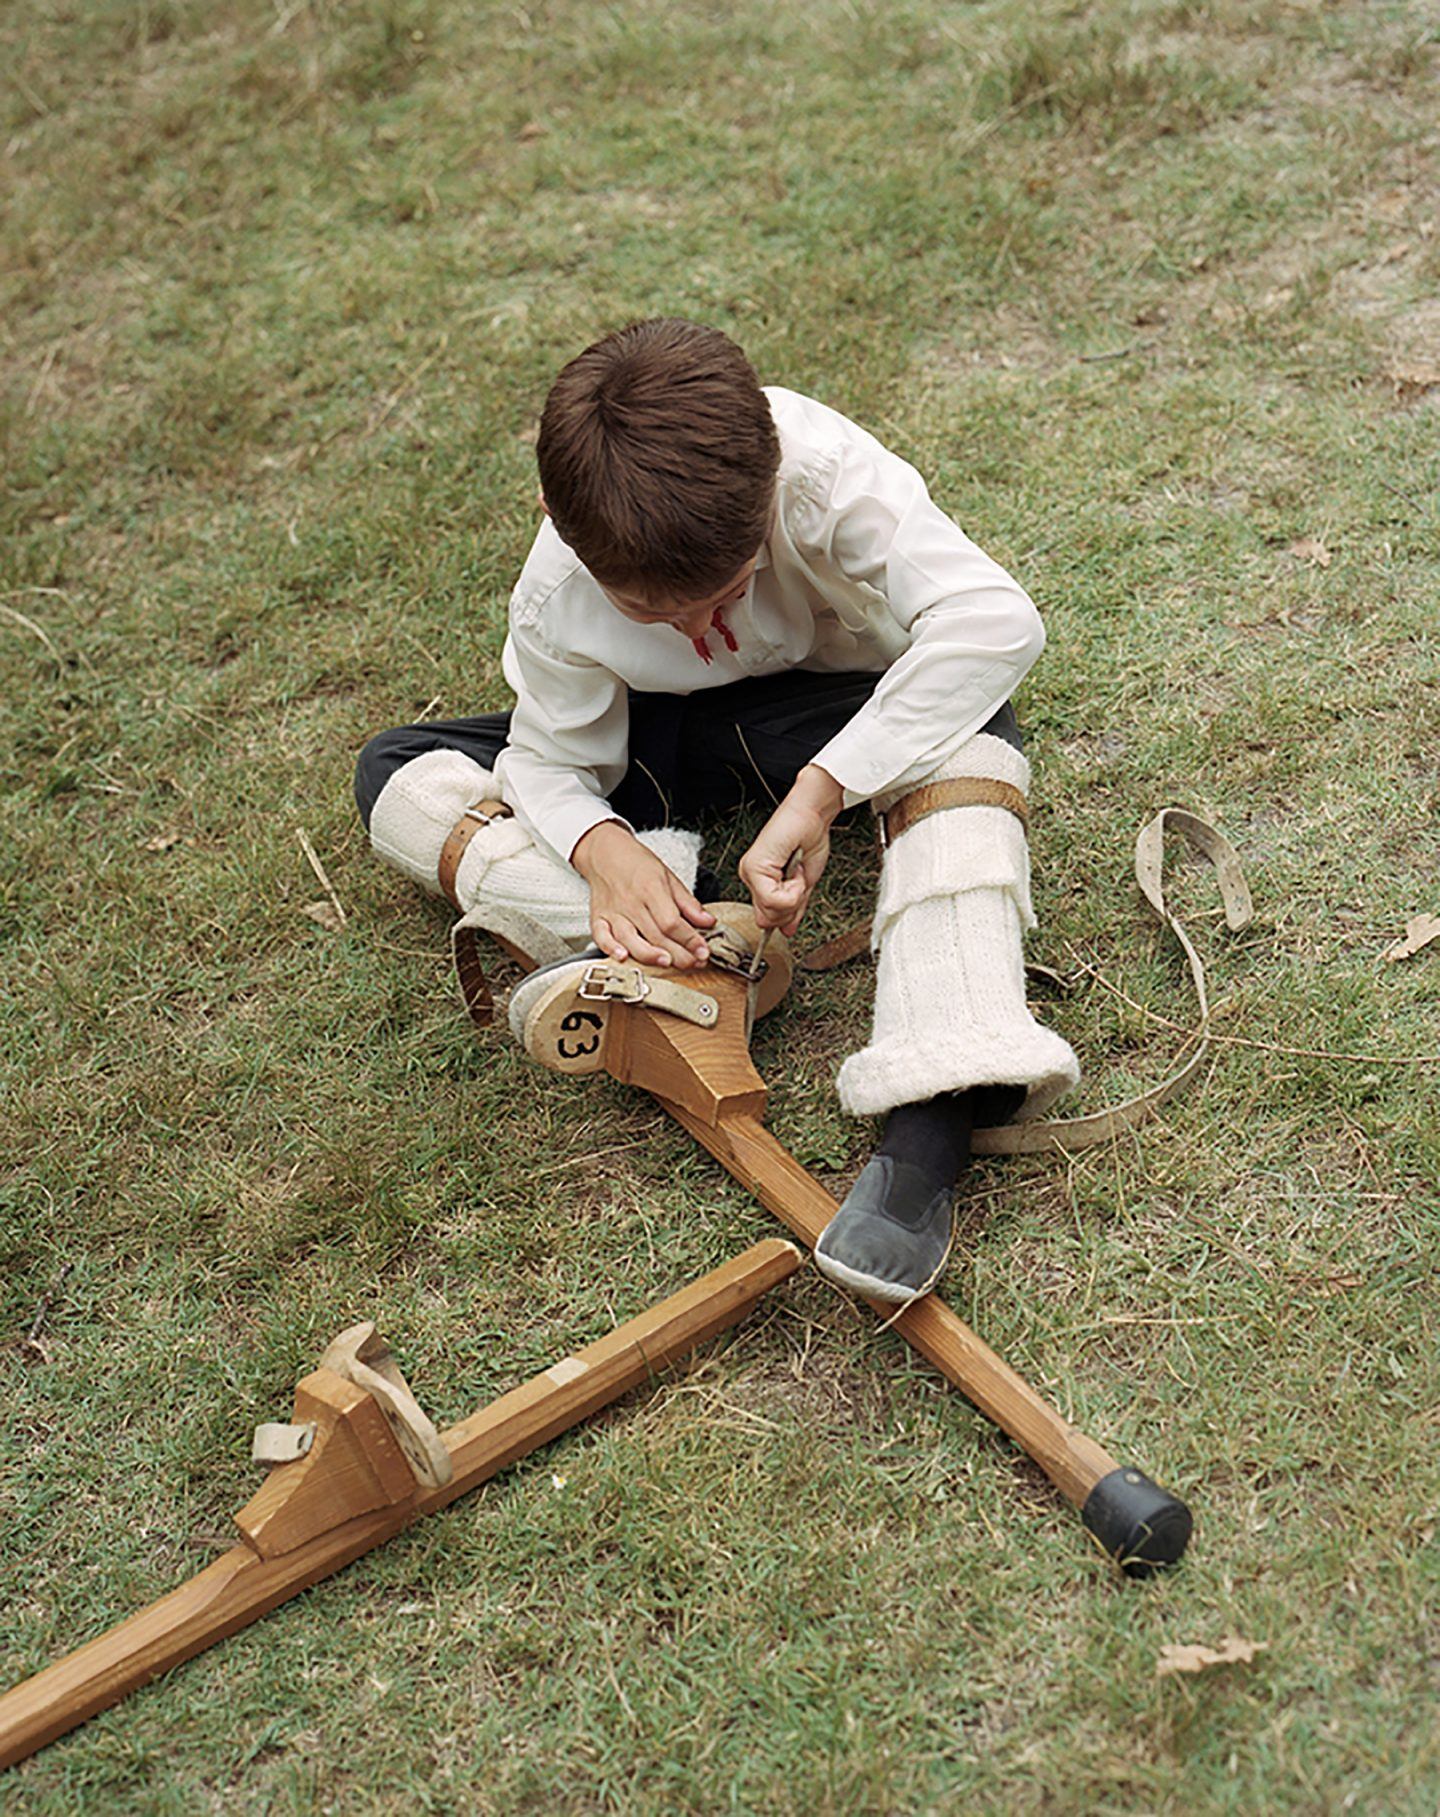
(935, 1136)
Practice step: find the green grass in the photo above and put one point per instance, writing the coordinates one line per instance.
(283, 286)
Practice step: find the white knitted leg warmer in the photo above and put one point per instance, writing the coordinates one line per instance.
(508, 882)
(950, 1009)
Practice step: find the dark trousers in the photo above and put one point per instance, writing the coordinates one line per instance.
(690, 754)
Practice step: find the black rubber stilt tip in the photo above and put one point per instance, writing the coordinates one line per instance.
(1142, 1526)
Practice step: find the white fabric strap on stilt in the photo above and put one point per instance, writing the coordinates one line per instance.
(277, 1442)
(606, 981)
(1065, 1135)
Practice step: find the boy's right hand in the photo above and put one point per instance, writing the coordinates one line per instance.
(639, 908)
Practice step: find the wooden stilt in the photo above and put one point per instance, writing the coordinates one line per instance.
(374, 1464)
(1074, 1463)
(705, 1078)
(708, 1070)
(353, 1467)
(371, 1500)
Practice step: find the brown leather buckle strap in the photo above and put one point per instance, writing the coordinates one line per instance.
(478, 814)
(474, 985)
(956, 792)
(470, 970)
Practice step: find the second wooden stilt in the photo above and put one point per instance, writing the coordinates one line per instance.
(245, 1582)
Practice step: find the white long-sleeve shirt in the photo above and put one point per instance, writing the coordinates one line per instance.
(861, 571)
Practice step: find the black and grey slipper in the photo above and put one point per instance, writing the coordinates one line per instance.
(890, 1238)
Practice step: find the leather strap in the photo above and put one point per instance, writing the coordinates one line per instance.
(474, 985)
(478, 814)
(840, 950)
(278, 1443)
(470, 970)
(955, 792)
(470, 963)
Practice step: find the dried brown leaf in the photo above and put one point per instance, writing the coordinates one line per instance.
(162, 842)
(1420, 930)
(1231, 1651)
(530, 131)
(1413, 380)
(325, 914)
(1311, 549)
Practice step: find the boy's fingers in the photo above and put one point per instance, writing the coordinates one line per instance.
(641, 938)
(784, 915)
(692, 908)
(674, 929)
(787, 916)
(640, 945)
(790, 927)
(606, 938)
(663, 948)
(682, 915)
(668, 919)
(778, 898)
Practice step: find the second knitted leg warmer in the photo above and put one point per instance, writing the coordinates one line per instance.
(950, 1008)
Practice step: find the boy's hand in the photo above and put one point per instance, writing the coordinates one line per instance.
(639, 908)
(802, 821)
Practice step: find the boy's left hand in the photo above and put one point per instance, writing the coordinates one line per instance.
(802, 821)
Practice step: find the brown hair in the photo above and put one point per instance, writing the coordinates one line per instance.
(658, 455)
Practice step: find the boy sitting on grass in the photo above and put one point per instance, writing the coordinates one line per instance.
(739, 595)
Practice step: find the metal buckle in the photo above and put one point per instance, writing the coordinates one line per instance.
(602, 984)
(729, 954)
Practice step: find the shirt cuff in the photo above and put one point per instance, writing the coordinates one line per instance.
(568, 825)
(852, 758)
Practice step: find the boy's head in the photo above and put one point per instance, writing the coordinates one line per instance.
(658, 456)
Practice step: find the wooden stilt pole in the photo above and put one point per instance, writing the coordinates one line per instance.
(374, 1495)
(1140, 1525)
(706, 1080)
(1073, 1462)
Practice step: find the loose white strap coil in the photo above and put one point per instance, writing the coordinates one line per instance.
(1067, 1134)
